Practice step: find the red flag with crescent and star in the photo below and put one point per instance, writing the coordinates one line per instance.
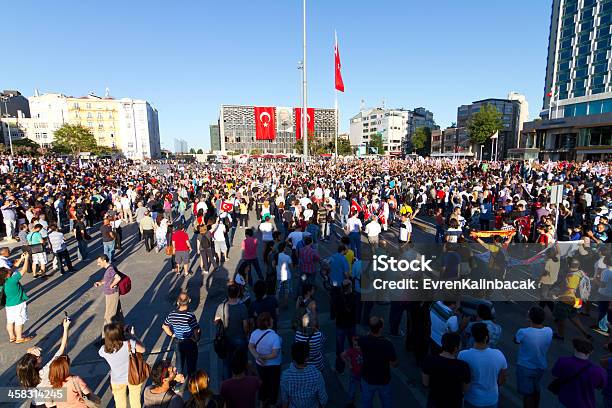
(339, 81)
(310, 113)
(265, 128)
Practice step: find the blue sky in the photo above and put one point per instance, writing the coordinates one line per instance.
(189, 57)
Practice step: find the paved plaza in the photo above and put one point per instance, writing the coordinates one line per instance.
(154, 291)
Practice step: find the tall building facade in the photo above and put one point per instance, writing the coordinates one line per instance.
(577, 104)
(215, 137)
(395, 126)
(237, 129)
(130, 125)
(13, 104)
(509, 134)
(181, 146)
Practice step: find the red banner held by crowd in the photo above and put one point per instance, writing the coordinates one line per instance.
(265, 128)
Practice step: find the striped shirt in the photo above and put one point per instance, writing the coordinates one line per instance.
(303, 387)
(182, 324)
(309, 258)
(315, 343)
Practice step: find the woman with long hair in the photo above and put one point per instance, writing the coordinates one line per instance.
(76, 390)
(161, 232)
(115, 352)
(31, 371)
(201, 395)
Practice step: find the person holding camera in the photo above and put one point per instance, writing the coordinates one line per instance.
(15, 300)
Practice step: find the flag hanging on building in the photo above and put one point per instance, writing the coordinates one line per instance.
(298, 122)
(264, 123)
(339, 82)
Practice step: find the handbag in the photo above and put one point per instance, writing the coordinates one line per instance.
(91, 400)
(138, 370)
(221, 343)
(558, 383)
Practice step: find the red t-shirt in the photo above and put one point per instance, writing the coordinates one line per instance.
(180, 239)
(356, 360)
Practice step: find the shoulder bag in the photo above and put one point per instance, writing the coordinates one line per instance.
(138, 370)
(91, 400)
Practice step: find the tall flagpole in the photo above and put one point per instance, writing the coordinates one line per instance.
(304, 94)
(336, 96)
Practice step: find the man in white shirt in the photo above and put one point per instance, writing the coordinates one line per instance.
(266, 228)
(534, 342)
(405, 230)
(488, 368)
(372, 231)
(353, 227)
(283, 275)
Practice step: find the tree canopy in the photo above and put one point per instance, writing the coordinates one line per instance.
(74, 139)
(484, 123)
(421, 140)
(376, 142)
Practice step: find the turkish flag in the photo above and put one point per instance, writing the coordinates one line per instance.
(355, 207)
(227, 206)
(337, 65)
(310, 113)
(265, 128)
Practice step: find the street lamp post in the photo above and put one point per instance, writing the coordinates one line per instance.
(304, 90)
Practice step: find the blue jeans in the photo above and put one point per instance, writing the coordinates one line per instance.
(354, 383)
(109, 249)
(368, 391)
(343, 335)
(355, 243)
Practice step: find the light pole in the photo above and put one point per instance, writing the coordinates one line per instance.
(481, 146)
(8, 125)
(304, 89)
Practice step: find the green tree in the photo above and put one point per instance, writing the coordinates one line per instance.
(255, 151)
(200, 151)
(192, 151)
(419, 139)
(73, 139)
(25, 146)
(344, 147)
(484, 123)
(377, 143)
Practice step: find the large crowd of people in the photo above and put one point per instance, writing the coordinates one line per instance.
(290, 212)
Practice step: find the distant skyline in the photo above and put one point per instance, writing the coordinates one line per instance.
(188, 59)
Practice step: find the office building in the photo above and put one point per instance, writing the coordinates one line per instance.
(215, 137)
(237, 130)
(577, 104)
(395, 126)
(180, 146)
(511, 117)
(13, 104)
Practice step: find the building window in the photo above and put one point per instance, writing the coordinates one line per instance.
(99, 116)
(100, 126)
(76, 105)
(88, 105)
(90, 124)
(110, 115)
(89, 115)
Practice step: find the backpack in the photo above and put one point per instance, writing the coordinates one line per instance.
(125, 284)
(221, 343)
(583, 291)
(205, 240)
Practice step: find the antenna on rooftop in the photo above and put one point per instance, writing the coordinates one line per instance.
(107, 93)
(362, 105)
